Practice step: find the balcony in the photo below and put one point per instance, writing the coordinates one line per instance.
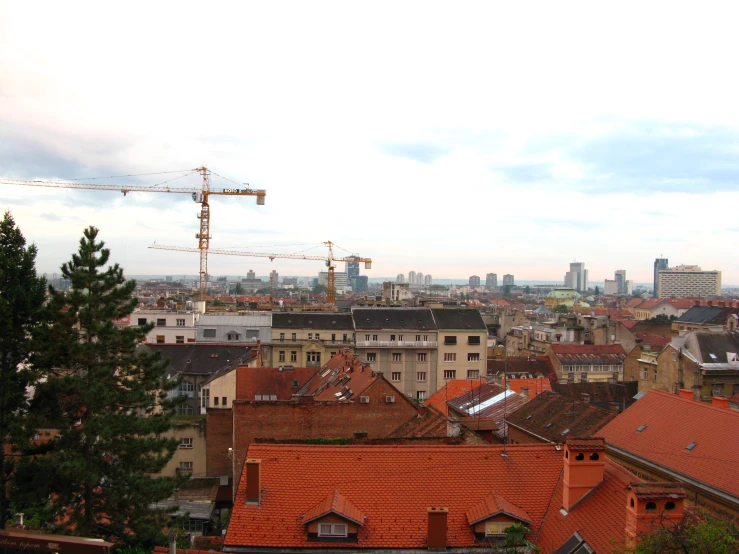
(396, 344)
(326, 342)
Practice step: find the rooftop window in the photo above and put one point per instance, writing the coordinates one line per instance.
(691, 446)
(641, 428)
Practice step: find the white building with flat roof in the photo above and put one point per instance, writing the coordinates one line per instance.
(685, 281)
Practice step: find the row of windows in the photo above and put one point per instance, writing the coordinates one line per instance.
(294, 336)
(586, 368)
(293, 356)
(448, 374)
(162, 322)
(397, 356)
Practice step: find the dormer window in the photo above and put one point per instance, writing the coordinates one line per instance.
(496, 528)
(332, 530)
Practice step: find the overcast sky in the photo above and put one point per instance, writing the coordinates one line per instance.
(452, 138)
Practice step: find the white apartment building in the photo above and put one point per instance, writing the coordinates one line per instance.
(396, 291)
(686, 281)
(171, 326)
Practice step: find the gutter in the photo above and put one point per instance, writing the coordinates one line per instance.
(674, 474)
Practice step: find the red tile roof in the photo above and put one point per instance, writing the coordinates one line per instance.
(251, 381)
(649, 491)
(451, 390)
(535, 386)
(634, 302)
(431, 423)
(494, 504)
(630, 323)
(657, 342)
(393, 486)
(344, 373)
(334, 503)
(600, 517)
(672, 423)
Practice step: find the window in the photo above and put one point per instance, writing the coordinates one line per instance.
(205, 398)
(496, 527)
(209, 333)
(160, 339)
(333, 337)
(233, 335)
(644, 374)
(400, 337)
(421, 395)
(223, 402)
(293, 356)
(450, 357)
(670, 505)
(449, 339)
(318, 336)
(282, 356)
(282, 337)
(395, 376)
(421, 376)
(179, 339)
(392, 338)
(161, 322)
(294, 336)
(180, 323)
(345, 337)
(142, 321)
(215, 401)
(332, 530)
(186, 443)
(396, 356)
(418, 338)
(473, 373)
(450, 374)
(366, 337)
(422, 356)
(310, 336)
(473, 340)
(374, 337)
(371, 356)
(332, 354)
(186, 466)
(473, 357)
(313, 358)
(651, 507)
(425, 337)
(655, 376)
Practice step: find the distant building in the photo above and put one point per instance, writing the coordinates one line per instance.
(474, 280)
(659, 265)
(577, 277)
(427, 280)
(290, 281)
(686, 281)
(621, 281)
(362, 284)
(411, 277)
(341, 280)
(396, 291)
(400, 278)
(508, 280)
(419, 278)
(250, 275)
(610, 287)
(491, 280)
(274, 278)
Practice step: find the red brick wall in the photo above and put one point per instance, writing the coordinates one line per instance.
(305, 420)
(218, 439)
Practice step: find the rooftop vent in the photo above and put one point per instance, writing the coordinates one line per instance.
(691, 446)
(565, 431)
(641, 428)
(547, 426)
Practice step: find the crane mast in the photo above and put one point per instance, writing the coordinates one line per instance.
(201, 196)
(329, 260)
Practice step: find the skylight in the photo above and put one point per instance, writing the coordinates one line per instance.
(641, 428)
(565, 431)
(691, 446)
(713, 356)
(547, 426)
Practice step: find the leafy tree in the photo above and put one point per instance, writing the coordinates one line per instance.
(697, 533)
(561, 309)
(264, 291)
(109, 401)
(527, 289)
(237, 289)
(597, 290)
(507, 290)
(318, 289)
(21, 300)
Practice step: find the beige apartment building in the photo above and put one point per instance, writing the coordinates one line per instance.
(402, 344)
(190, 454)
(171, 326)
(462, 344)
(685, 281)
(309, 339)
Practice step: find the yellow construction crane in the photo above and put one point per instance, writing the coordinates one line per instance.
(331, 288)
(198, 195)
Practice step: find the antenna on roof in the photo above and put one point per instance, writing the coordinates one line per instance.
(505, 403)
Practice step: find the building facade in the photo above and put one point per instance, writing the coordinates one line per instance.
(491, 280)
(462, 344)
(508, 280)
(309, 339)
(686, 281)
(660, 264)
(474, 281)
(577, 277)
(171, 326)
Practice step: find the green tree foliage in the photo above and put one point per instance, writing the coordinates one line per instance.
(109, 401)
(597, 290)
(507, 290)
(237, 289)
(697, 533)
(21, 300)
(561, 309)
(318, 289)
(661, 319)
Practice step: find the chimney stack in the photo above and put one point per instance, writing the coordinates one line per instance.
(253, 481)
(453, 427)
(437, 527)
(720, 402)
(686, 393)
(652, 506)
(525, 391)
(583, 468)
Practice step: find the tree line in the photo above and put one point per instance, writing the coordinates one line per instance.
(66, 366)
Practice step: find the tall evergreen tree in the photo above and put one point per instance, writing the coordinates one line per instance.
(109, 400)
(21, 300)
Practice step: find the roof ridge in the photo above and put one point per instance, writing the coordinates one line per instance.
(734, 413)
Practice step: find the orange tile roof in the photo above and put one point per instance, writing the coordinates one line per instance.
(494, 504)
(393, 486)
(334, 503)
(251, 381)
(630, 323)
(672, 423)
(634, 302)
(535, 385)
(600, 517)
(344, 373)
(452, 390)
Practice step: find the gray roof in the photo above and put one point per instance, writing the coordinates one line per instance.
(312, 320)
(459, 318)
(394, 318)
(263, 319)
(707, 315)
(199, 359)
(712, 348)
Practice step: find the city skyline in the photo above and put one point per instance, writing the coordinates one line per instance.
(407, 135)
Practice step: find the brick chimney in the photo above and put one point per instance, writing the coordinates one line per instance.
(253, 481)
(583, 468)
(437, 528)
(525, 391)
(720, 402)
(686, 393)
(453, 427)
(652, 506)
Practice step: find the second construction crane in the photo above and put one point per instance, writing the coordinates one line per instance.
(329, 259)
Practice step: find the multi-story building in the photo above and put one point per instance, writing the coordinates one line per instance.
(586, 362)
(402, 344)
(341, 280)
(491, 280)
(235, 328)
(508, 280)
(660, 264)
(610, 287)
(308, 339)
(250, 275)
(274, 278)
(400, 278)
(577, 277)
(362, 284)
(427, 280)
(352, 271)
(474, 281)
(462, 344)
(412, 277)
(621, 281)
(685, 281)
(396, 292)
(171, 326)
